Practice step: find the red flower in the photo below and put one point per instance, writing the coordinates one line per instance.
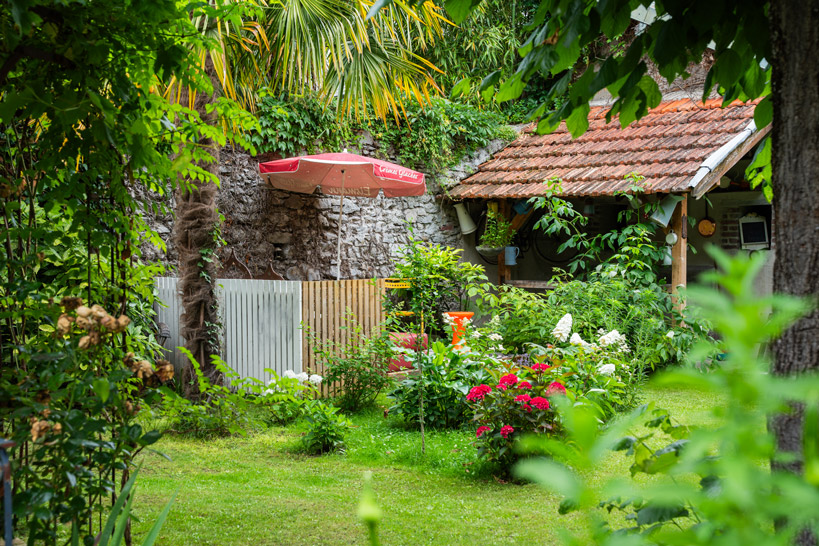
(522, 398)
(480, 431)
(502, 386)
(540, 367)
(506, 430)
(524, 385)
(527, 407)
(555, 387)
(509, 379)
(477, 393)
(540, 403)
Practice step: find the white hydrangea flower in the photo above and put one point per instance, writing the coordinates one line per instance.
(302, 377)
(290, 374)
(316, 379)
(615, 340)
(448, 320)
(670, 334)
(577, 340)
(495, 337)
(476, 334)
(606, 369)
(563, 328)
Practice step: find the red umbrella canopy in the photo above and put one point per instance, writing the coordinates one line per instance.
(342, 174)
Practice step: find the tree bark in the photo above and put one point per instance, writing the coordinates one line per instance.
(196, 228)
(795, 171)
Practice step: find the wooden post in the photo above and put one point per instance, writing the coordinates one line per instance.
(504, 271)
(679, 252)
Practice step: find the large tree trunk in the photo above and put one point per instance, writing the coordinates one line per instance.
(795, 36)
(196, 228)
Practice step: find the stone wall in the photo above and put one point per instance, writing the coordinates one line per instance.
(297, 233)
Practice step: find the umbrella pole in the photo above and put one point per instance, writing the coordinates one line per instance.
(338, 241)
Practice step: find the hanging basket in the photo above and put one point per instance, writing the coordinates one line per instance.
(489, 251)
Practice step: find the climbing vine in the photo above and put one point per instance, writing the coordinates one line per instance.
(432, 138)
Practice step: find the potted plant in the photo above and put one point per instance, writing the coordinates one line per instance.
(496, 236)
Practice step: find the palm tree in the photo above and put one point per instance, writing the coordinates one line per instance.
(326, 46)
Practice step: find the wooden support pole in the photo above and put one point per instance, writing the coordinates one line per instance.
(679, 252)
(504, 271)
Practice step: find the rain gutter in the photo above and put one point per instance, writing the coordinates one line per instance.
(698, 182)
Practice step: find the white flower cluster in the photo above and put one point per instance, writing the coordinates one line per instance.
(615, 340)
(495, 337)
(579, 341)
(606, 369)
(563, 328)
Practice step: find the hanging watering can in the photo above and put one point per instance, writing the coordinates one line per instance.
(464, 219)
(510, 255)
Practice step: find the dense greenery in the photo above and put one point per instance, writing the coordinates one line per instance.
(432, 137)
(80, 131)
(448, 375)
(715, 490)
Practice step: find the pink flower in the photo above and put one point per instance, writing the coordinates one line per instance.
(477, 393)
(540, 403)
(506, 430)
(480, 431)
(502, 386)
(509, 379)
(555, 387)
(522, 398)
(540, 367)
(524, 385)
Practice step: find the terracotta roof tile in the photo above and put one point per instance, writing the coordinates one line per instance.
(666, 146)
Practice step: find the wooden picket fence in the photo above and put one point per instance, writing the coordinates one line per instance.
(330, 312)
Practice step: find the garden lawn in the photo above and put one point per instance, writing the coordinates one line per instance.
(259, 491)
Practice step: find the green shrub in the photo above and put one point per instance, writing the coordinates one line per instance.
(707, 485)
(359, 369)
(446, 377)
(219, 410)
(325, 431)
(641, 313)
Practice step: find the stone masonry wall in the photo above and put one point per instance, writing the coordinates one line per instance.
(297, 233)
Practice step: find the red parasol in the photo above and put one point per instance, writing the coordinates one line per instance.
(342, 174)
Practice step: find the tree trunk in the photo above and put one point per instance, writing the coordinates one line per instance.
(196, 235)
(795, 165)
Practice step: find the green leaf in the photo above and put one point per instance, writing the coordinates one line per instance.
(578, 120)
(459, 10)
(763, 113)
(102, 387)
(728, 68)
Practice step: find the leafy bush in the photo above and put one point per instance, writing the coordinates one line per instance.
(518, 404)
(289, 126)
(438, 281)
(641, 313)
(286, 397)
(70, 407)
(360, 368)
(446, 375)
(219, 411)
(708, 486)
(325, 430)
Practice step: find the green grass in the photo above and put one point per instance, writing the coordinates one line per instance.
(259, 491)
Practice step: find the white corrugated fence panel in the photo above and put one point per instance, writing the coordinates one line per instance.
(261, 323)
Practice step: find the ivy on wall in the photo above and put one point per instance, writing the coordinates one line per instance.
(434, 137)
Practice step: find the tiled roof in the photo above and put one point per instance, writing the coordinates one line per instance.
(667, 146)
